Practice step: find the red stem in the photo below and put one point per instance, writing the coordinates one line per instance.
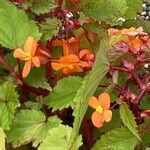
(134, 75)
(137, 79)
(8, 67)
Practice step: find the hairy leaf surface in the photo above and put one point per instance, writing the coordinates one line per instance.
(15, 26)
(31, 125)
(118, 139)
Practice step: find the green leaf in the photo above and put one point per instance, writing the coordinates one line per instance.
(9, 57)
(2, 139)
(145, 104)
(34, 105)
(50, 28)
(8, 103)
(108, 11)
(15, 26)
(145, 134)
(30, 125)
(120, 5)
(96, 28)
(43, 6)
(88, 87)
(63, 93)
(136, 23)
(146, 141)
(118, 139)
(58, 139)
(37, 79)
(133, 7)
(128, 119)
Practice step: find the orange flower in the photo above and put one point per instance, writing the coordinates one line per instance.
(70, 46)
(86, 55)
(70, 64)
(29, 55)
(135, 44)
(102, 112)
(130, 32)
(135, 38)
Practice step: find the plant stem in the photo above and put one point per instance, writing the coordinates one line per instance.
(142, 93)
(134, 75)
(9, 68)
(137, 79)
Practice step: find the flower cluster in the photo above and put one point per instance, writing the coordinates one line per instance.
(130, 40)
(73, 59)
(32, 55)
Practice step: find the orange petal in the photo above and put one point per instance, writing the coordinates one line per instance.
(26, 69)
(77, 68)
(84, 64)
(28, 44)
(104, 100)
(34, 47)
(71, 46)
(57, 42)
(72, 69)
(19, 53)
(69, 59)
(57, 66)
(107, 115)
(93, 102)
(36, 61)
(97, 119)
(65, 48)
(67, 71)
(83, 52)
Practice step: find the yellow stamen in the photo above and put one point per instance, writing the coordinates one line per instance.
(99, 109)
(28, 56)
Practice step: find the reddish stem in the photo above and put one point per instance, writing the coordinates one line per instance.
(137, 79)
(9, 68)
(134, 75)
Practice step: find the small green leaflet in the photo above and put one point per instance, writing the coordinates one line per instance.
(15, 26)
(63, 93)
(96, 28)
(145, 24)
(108, 11)
(34, 105)
(37, 79)
(8, 104)
(88, 87)
(128, 119)
(58, 139)
(115, 77)
(50, 28)
(43, 6)
(134, 6)
(120, 5)
(30, 125)
(2, 139)
(118, 139)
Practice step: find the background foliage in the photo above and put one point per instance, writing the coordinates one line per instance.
(48, 110)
